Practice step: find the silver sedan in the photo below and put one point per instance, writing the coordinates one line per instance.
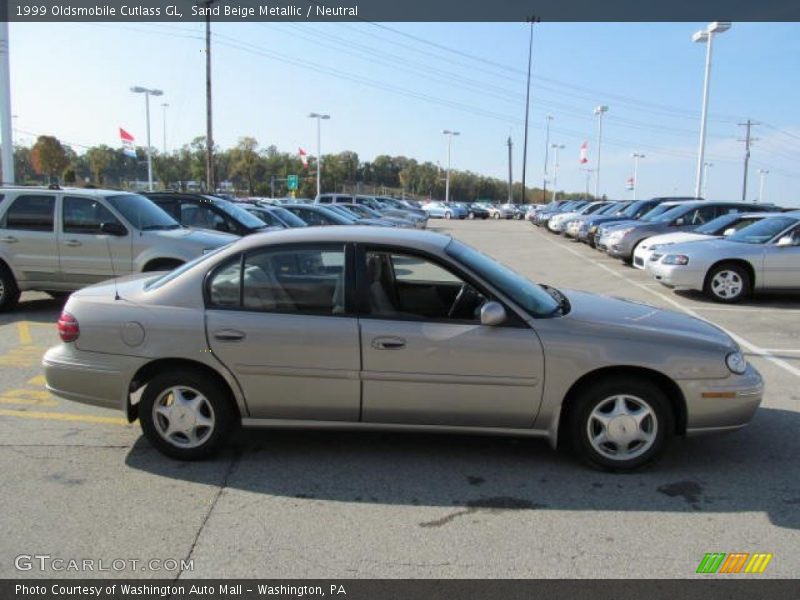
(762, 256)
(391, 329)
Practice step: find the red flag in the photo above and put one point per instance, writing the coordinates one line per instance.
(303, 157)
(584, 153)
(128, 147)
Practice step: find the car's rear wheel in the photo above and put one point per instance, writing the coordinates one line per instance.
(727, 283)
(621, 424)
(9, 292)
(186, 414)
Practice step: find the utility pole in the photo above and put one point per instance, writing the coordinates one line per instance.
(546, 148)
(210, 187)
(449, 135)
(530, 20)
(165, 106)
(599, 112)
(7, 158)
(706, 166)
(636, 156)
(556, 148)
(510, 176)
(748, 125)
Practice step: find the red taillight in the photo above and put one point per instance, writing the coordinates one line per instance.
(68, 329)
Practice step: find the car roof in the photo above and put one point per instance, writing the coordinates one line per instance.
(72, 190)
(411, 238)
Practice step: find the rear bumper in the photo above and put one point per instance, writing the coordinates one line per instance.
(89, 377)
(722, 405)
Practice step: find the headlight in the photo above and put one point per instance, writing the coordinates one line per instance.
(675, 259)
(736, 362)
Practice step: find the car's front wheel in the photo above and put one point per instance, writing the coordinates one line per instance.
(9, 292)
(621, 424)
(727, 283)
(186, 414)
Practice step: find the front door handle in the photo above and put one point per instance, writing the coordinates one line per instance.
(229, 335)
(72, 243)
(9, 239)
(388, 343)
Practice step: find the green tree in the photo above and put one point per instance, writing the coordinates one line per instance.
(100, 158)
(245, 162)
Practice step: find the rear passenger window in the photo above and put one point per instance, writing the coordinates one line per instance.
(31, 213)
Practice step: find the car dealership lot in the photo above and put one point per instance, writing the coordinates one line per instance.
(78, 482)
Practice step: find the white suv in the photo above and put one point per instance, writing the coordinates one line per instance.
(60, 240)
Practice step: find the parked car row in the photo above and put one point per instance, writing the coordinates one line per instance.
(472, 210)
(728, 250)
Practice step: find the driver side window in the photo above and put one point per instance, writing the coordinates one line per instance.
(402, 286)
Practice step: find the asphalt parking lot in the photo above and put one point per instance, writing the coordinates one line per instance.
(80, 483)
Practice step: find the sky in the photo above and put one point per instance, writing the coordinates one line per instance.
(392, 88)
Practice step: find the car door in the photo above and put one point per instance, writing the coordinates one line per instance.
(277, 318)
(85, 253)
(28, 241)
(426, 358)
(781, 267)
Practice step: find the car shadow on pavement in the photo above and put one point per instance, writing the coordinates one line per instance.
(766, 300)
(752, 470)
(41, 309)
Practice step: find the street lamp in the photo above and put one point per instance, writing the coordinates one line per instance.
(165, 106)
(319, 119)
(449, 135)
(762, 176)
(706, 167)
(147, 93)
(556, 148)
(706, 36)
(548, 119)
(636, 156)
(599, 111)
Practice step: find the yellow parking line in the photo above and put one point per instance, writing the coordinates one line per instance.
(39, 380)
(36, 401)
(24, 332)
(56, 416)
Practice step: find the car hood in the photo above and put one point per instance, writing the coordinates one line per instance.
(675, 238)
(639, 318)
(201, 237)
(716, 246)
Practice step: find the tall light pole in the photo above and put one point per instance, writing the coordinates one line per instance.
(588, 178)
(319, 118)
(7, 155)
(147, 93)
(165, 106)
(636, 156)
(762, 175)
(210, 183)
(530, 20)
(449, 135)
(706, 167)
(548, 118)
(556, 148)
(705, 35)
(599, 111)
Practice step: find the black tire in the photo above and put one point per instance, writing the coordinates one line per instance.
(739, 278)
(447, 215)
(218, 397)
(639, 393)
(9, 292)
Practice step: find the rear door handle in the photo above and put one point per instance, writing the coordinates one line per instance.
(388, 343)
(229, 335)
(72, 243)
(9, 239)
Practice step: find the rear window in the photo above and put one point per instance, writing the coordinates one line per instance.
(31, 213)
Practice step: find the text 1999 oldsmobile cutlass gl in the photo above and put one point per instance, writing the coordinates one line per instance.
(368, 328)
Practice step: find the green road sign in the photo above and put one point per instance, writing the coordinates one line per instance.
(291, 181)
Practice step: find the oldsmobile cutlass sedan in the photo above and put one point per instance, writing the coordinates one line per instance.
(390, 329)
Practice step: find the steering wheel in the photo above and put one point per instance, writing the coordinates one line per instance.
(465, 295)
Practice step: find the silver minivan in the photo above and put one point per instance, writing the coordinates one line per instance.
(60, 240)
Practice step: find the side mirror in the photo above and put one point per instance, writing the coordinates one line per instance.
(112, 228)
(679, 222)
(729, 231)
(493, 314)
(785, 242)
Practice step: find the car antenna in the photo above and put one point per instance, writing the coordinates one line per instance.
(113, 272)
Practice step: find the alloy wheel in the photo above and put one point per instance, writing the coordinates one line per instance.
(727, 284)
(622, 427)
(183, 417)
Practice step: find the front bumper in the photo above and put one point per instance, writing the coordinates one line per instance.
(641, 257)
(722, 404)
(676, 276)
(89, 377)
(622, 248)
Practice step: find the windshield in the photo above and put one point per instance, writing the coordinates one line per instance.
(288, 217)
(344, 212)
(528, 295)
(154, 284)
(142, 213)
(763, 231)
(244, 217)
(659, 210)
